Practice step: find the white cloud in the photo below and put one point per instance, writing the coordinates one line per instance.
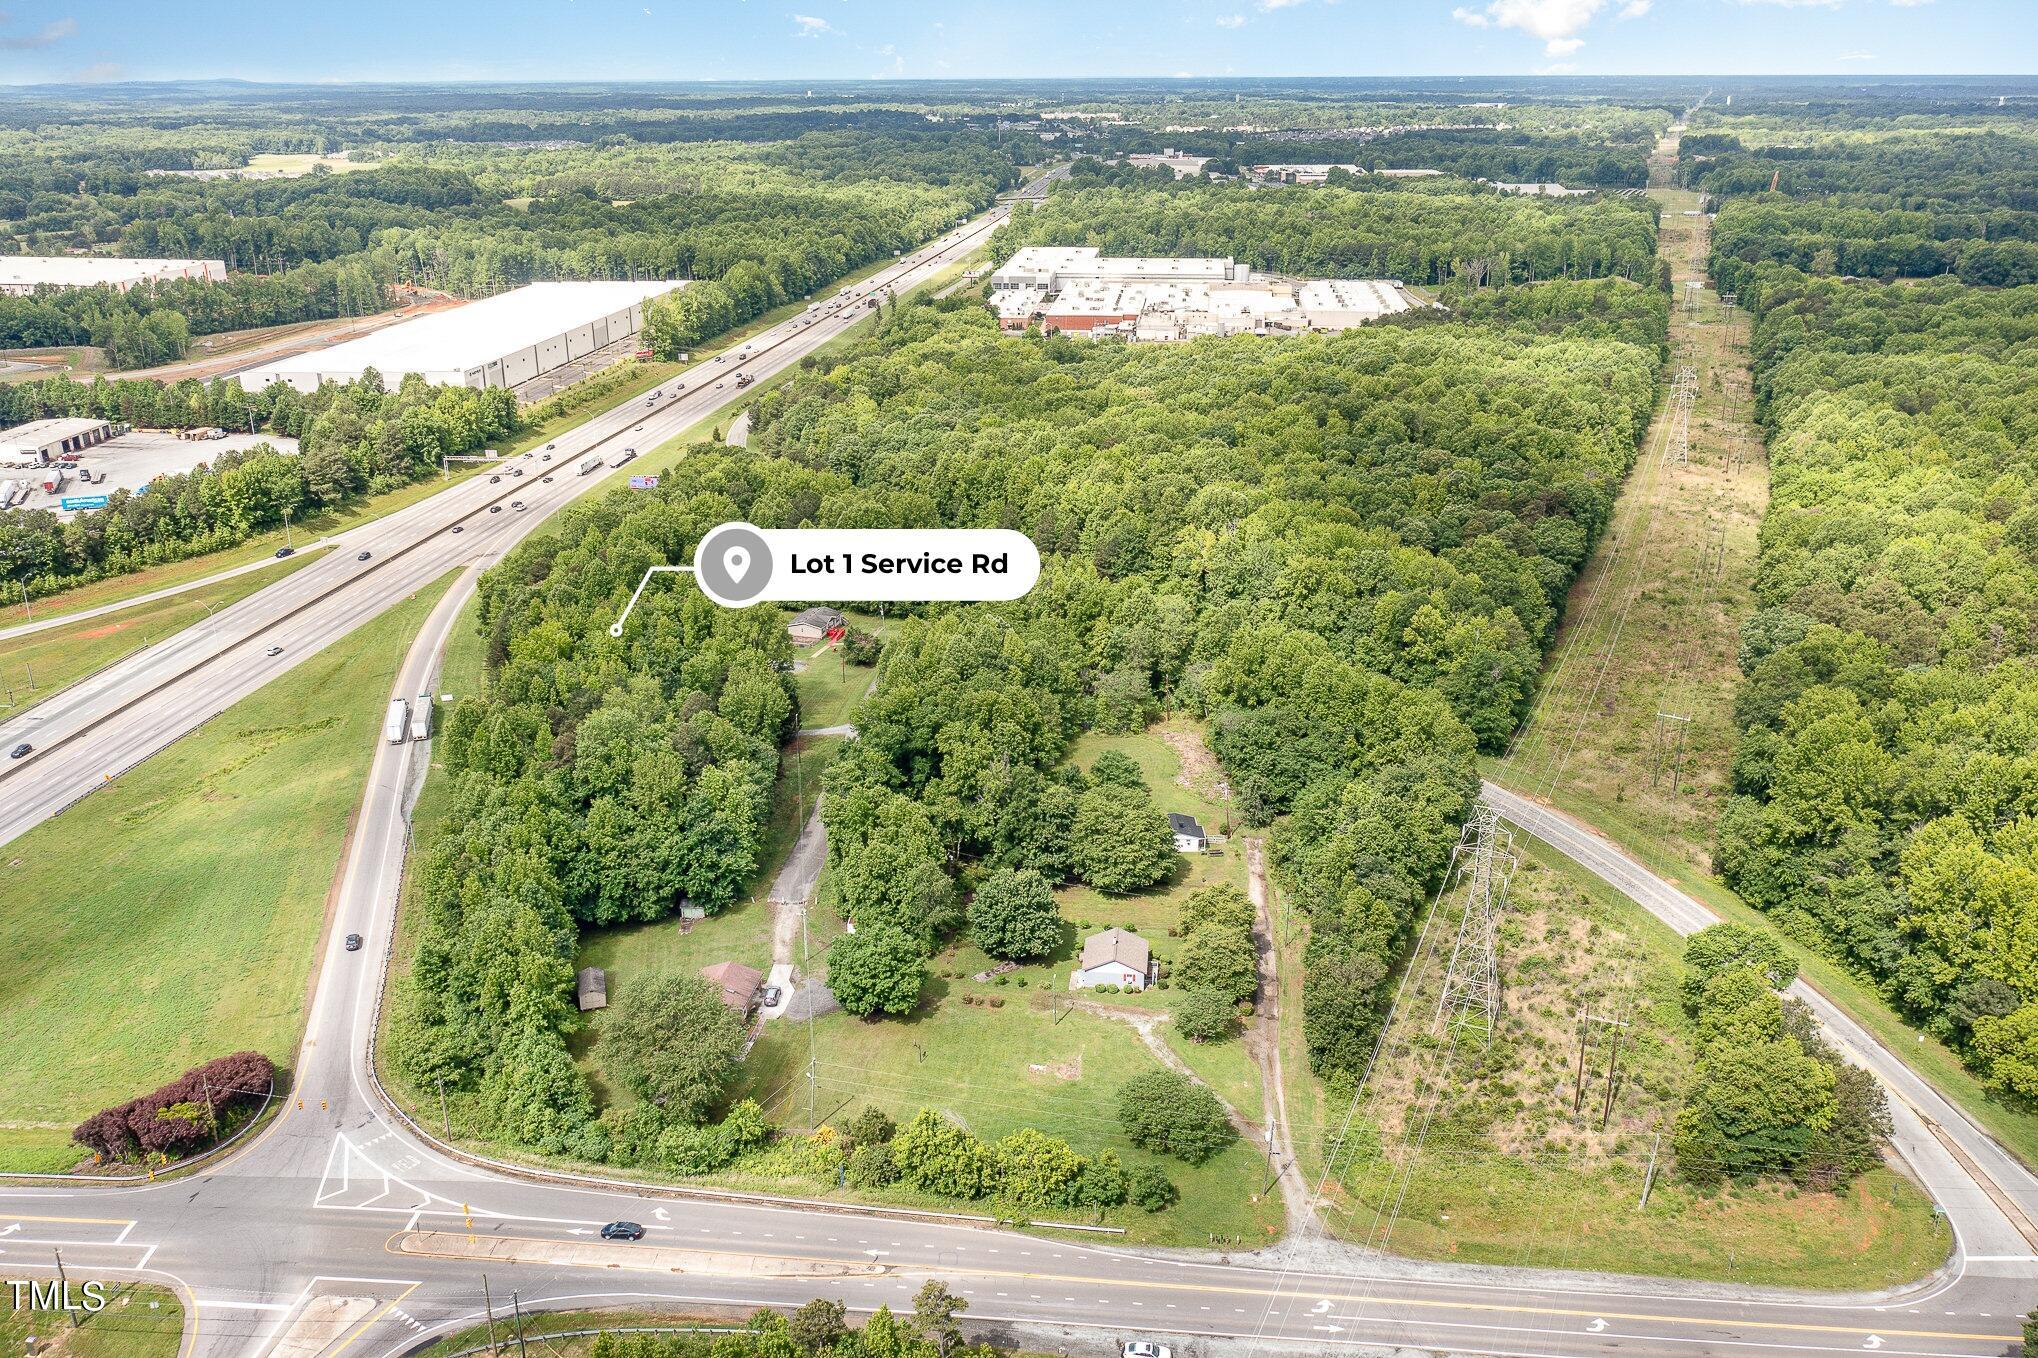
(1557, 68)
(100, 72)
(807, 26)
(1856, 56)
(1795, 4)
(1557, 22)
(1271, 5)
(1634, 9)
(1231, 21)
(42, 37)
(1909, 4)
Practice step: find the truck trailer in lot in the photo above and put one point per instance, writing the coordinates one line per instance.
(396, 725)
(589, 464)
(421, 718)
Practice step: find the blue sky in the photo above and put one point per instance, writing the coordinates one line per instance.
(920, 39)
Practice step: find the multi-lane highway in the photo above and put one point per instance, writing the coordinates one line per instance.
(343, 1224)
(99, 728)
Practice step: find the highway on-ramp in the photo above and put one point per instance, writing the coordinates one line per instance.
(344, 1225)
(98, 728)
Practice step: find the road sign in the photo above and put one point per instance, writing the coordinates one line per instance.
(643, 483)
(84, 501)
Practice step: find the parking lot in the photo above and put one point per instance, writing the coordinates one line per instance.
(131, 462)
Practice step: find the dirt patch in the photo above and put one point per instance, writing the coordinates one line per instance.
(1071, 1069)
(1200, 772)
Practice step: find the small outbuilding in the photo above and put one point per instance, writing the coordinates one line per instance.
(736, 983)
(1189, 834)
(811, 624)
(593, 989)
(1115, 957)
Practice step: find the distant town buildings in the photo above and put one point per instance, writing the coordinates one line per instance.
(1079, 290)
(21, 275)
(1304, 174)
(1541, 190)
(1185, 167)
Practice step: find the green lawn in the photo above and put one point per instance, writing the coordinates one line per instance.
(139, 1321)
(1031, 1063)
(192, 933)
(61, 656)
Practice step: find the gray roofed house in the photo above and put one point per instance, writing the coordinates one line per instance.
(811, 624)
(1114, 957)
(1190, 837)
(593, 989)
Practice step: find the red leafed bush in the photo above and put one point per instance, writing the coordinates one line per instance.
(184, 1116)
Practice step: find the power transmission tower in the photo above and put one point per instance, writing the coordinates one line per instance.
(1484, 863)
(1668, 748)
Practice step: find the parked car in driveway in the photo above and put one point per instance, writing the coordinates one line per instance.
(772, 995)
(622, 1230)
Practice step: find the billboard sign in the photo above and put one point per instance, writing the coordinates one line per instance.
(643, 483)
(83, 502)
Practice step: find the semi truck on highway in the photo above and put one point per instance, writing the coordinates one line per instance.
(421, 718)
(620, 458)
(589, 464)
(397, 723)
(744, 379)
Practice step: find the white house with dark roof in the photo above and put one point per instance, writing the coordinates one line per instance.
(1189, 835)
(809, 625)
(1114, 957)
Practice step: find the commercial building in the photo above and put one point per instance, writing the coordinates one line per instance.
(1540, 190)
(40, 442)
(1304, 174)
(498, 342)
(21, 275)
(1075, 290)
(1183, 167)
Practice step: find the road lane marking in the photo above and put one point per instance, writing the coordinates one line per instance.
(1276, 1293)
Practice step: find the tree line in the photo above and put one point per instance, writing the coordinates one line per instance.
(1885, 807)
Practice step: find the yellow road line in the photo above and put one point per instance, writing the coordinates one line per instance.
(362, 1328)
(1294, 1294)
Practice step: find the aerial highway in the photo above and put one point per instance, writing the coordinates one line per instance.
(345, 1224)
(97, 729)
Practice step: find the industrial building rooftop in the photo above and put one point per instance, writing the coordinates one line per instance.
(23, 274)
(500, 341)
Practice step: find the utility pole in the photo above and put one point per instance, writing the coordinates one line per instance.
(1649, 1179)
(1585, 1022)
(211, 1109)
(806, 970)
(488, 1307)
(1612, 1074)
(64, 1286)
(516, 1306)
(1674, 749)
(445, 1116)
(286, 530)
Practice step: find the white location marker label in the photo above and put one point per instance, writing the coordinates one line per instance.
(738, 560)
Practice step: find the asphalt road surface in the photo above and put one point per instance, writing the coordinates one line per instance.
(344, 1226)
(103, 726)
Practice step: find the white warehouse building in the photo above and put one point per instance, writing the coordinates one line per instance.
(21, 275)
(500, 341)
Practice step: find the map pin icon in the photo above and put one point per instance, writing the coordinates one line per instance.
(737, 561)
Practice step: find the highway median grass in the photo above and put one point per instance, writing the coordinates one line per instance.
(38, 665)
(173, 915)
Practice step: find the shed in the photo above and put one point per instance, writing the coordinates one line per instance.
(1114, 957)
(1189, 835)
(593, 988)
(811, 624)
(736, 983)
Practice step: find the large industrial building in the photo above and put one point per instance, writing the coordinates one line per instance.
(21, 275)
(501, 341)
(1075, 290)
(41, 442)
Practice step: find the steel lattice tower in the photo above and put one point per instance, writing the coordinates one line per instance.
(1483, 863)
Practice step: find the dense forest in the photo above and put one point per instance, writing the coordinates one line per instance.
(1887, 786)
(1422, 234)
(1346, 552)
(763, 222)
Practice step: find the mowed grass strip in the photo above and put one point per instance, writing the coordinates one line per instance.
(139, 1320)
(35, 666)
(171, 917)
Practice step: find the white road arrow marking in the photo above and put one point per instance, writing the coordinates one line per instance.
(661, 1214)
(1874, 1342)
(1329, 1329)
(11, 1228)
(1319, 1308)
(580, 1230)
(1597, 1325)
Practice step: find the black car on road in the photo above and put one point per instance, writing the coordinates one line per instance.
(622, 1230)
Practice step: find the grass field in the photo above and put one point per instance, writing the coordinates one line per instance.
(1498, 1169)
(1031, 1063)
(139, 1321)
(195, 914)
(35, 666)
